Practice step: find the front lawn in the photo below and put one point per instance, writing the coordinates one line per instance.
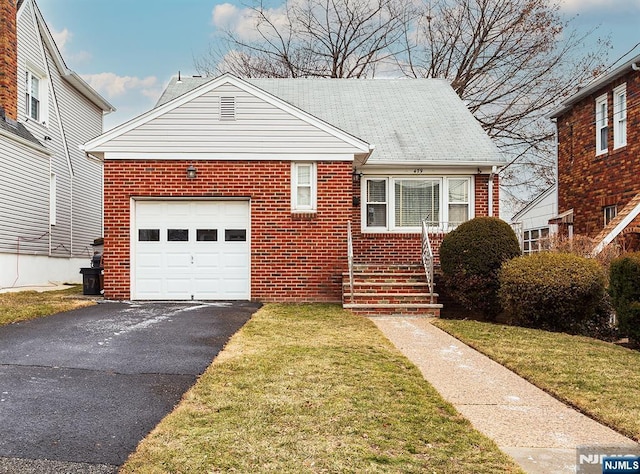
(600, 379)
(313, 388)
(25, 305)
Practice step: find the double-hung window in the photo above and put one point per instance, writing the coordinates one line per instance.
(602, 125)
(33, 96)
(376, 203)
(458, 200)
(303, 187)
(620, 116)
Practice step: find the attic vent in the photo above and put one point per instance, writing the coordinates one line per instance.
(227, 108)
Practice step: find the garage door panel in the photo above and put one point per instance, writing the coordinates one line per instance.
(182, 250)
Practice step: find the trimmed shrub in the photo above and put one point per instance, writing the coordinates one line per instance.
(557, 292)
(470, 258)
(624, 288)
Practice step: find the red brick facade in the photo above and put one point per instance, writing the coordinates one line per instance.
(294, 257)
(588, 182)
(8, 59)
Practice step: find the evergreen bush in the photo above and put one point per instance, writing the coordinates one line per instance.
(624, 288)
(556, 292)
(470, 259)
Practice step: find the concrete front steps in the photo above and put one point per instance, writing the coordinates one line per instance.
(389, 290)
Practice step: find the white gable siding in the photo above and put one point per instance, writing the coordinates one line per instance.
(259, 127)
(537, 216)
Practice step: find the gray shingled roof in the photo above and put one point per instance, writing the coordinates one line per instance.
(17, 129)
(415, 120)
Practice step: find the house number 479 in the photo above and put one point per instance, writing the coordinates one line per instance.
(418, 170)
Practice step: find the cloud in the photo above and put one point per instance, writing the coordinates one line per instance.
(112, 86)
(581, 6)
(63, 39)
(242, 21)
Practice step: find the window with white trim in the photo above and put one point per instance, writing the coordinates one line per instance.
(602, 125)
(620, 116)
(35, 96)
(535, 240)
(303, 187)
(401, 203)
(609, 213)
(376, 203)
(458, 200)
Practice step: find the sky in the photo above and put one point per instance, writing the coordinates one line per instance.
(128, 50)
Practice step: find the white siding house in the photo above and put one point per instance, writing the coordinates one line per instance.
(533, 221)
(50, 191)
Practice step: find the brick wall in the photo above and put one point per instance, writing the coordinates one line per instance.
(586, 182)
(293, 257)
(8, 59)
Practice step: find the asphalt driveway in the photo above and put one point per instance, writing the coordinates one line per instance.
(86, 386)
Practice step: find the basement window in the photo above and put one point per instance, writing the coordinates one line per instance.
(609, 213)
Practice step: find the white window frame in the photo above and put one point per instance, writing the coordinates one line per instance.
(295, 185)
(365, 206)
(43, 100)
(532, 243)
(390, 202)
(620, 116)
(602, 124)
(53, 198)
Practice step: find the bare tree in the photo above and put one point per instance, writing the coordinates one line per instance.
(314, 38)
(511, 61)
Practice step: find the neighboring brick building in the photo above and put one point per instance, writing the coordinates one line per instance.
(234, 189)
(598, 155)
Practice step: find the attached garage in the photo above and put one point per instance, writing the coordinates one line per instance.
(190, 250)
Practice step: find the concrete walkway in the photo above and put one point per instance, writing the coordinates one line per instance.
(536, 430)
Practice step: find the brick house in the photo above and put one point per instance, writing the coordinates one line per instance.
(244, 189)
(598, 148)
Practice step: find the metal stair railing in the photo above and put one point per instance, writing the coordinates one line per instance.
(350, 258)
(427, 258)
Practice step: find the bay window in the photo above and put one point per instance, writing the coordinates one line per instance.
(402, 203)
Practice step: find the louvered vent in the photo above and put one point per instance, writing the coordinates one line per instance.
(227, 108)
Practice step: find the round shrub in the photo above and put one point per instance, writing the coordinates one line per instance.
(556, 292)
(470, 258)
(624, 288)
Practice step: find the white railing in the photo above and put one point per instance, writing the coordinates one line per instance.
(350, 258)
(427, 257)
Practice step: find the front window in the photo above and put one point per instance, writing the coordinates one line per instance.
(402, 203)
(602, 125)
(620, 116)
(376, 202)
(609, 213)
(303, 187)
(416, 200)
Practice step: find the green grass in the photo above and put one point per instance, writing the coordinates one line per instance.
(313, 388)
(26, 305)
(600, 379)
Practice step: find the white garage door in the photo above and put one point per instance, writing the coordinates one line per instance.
(185, 250)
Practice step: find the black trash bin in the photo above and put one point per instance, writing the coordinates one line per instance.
(91, 281)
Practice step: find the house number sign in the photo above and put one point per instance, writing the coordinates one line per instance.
(418, 171)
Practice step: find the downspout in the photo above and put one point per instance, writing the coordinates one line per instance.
(491, 176)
